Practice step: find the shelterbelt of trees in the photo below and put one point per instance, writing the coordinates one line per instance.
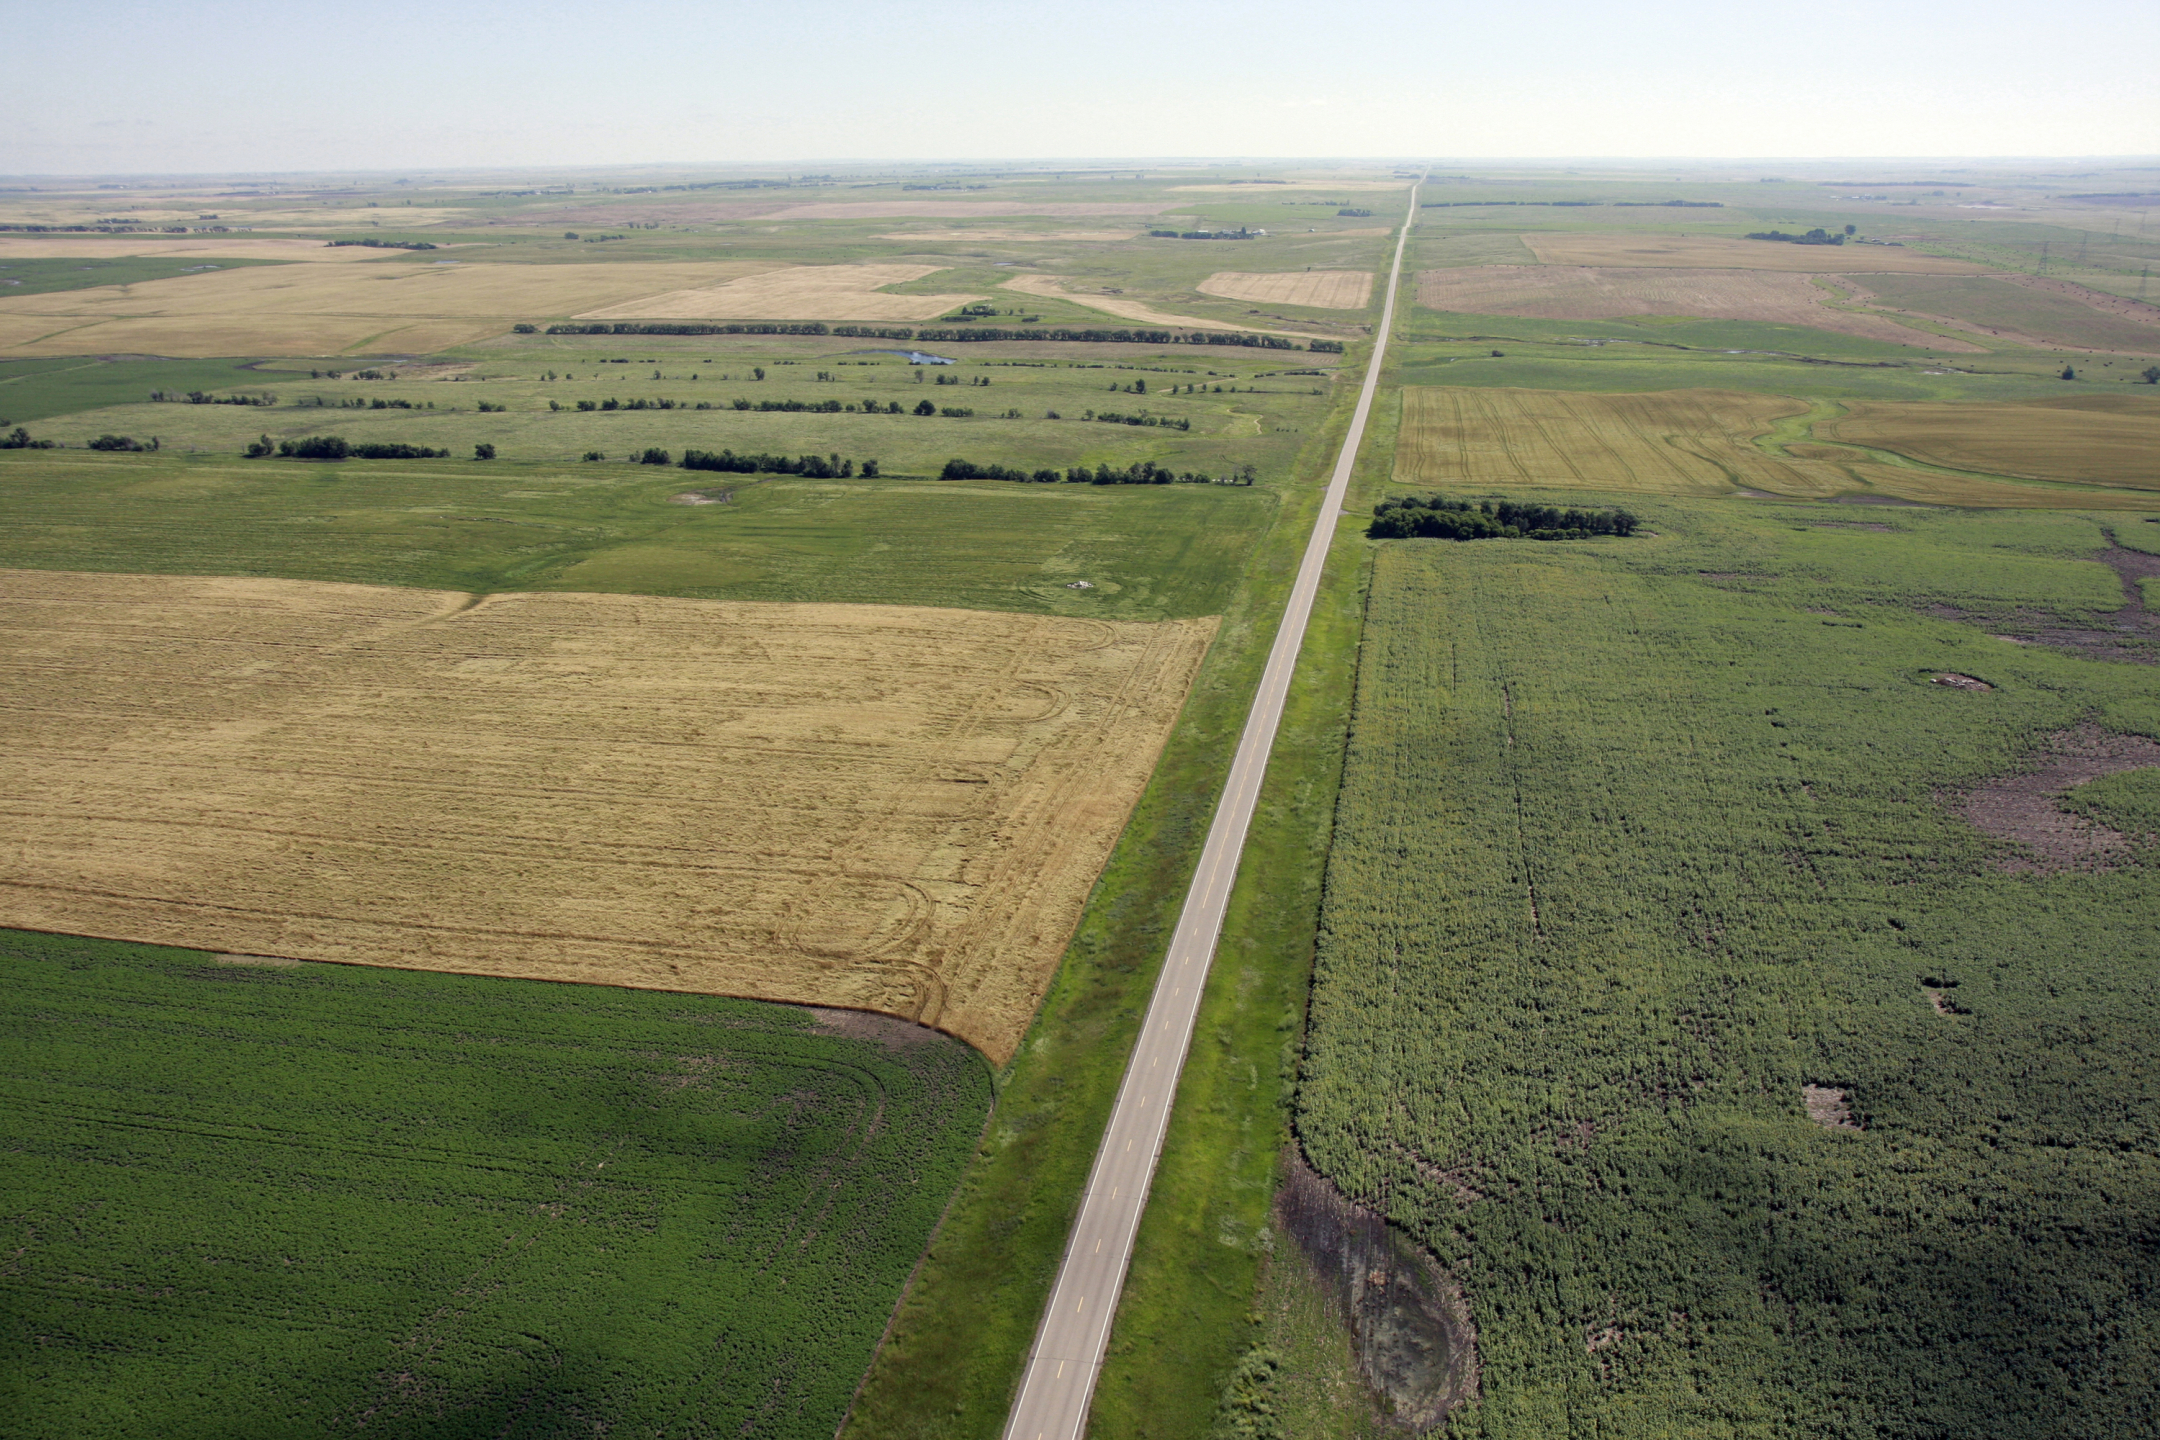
(1435, 517)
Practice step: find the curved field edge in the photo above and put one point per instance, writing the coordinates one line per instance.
(268, 1199)
(955, 1353)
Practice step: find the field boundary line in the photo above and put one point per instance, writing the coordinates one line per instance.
(1058, 1383)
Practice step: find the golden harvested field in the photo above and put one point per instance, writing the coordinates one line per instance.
(1586, 293)
(2097, 439)
(1321, 289)
(881, 807)
(325, 309)
(957, 209)
(1138, 311)
(799, 292)
(1717, 252)
(1672, 442)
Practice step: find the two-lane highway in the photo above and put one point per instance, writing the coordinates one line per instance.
(1061, 1370)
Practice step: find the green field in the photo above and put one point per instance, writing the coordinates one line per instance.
(1636, 839)
(36, 389)
(312, 1199)
(40, 277)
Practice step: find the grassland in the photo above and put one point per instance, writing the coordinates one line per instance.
(267, 1201)
(1758, 296)
(35, 389)
(21, 276)
(2019, 313)
(1638, 840)
(1319, 289)
(877, 807)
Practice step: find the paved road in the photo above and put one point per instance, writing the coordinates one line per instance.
(1060, 1379)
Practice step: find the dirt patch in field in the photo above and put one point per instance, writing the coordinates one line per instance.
(1955, 681)
(799, 292)
(1409, 1320)
(702, 497)
(2131, 633)
(1828, 1106)
(2024, 807)
(1713, 252)
(1592, 293)
(1318, 289)
(872, 807)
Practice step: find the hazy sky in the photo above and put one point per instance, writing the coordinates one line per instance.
(234, 85)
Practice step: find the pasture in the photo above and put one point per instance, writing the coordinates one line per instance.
(2088, 439)
(1316, 289)
(878, 807)
(262, 1200)
(1055, 287)
(2024, 314)
(1642, 847)
(1711, 442)
(1766, 296)
(1721, 252)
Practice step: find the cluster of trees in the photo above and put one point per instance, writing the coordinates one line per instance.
(337, 447)
(123, 442)
(364, 404)
(1241, 233)
(1355, 212)
(1817, 236)
(204, 397)
(1143, 418)
(812, 467)
(1434, 517)
(19, 439)
(389, 244)
(1145, 472)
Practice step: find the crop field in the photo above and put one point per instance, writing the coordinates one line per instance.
(2024, 314)
(1671, 992)
(1319, 289)
(1718, 252)
(1703, 442)
(261, 1200)
(1053, 287)
(2099, 439)
(412, 306)
(802, 292)
(876, 807)
(191, 248)
(1778, 297)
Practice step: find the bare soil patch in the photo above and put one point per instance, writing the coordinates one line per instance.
(1594, 293)
(1828, 1106)
(870, 807)
(1955, 681)
(1725, 253)
(1410, 1322)
(2022, 806)
(1319, 289)
(798, 292)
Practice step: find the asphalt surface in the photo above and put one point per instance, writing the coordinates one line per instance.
(1062, 1368)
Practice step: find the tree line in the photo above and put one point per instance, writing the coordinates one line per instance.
(812, 467)
(1434, 517)
(1144, 472)
(337, 447)
(1097, 337)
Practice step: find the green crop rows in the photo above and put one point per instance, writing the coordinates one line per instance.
(1638, 838)
(277, 1202)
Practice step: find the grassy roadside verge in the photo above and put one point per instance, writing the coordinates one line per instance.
(955, 1351)
(1188, 1308)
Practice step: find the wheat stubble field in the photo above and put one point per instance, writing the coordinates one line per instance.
(880, 807)
(1320, 289)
